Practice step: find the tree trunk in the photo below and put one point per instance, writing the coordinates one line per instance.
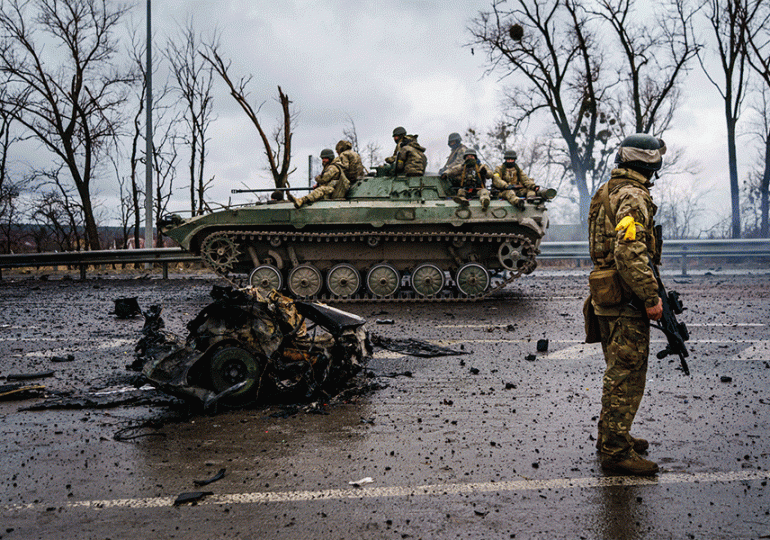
(733, 163)
(765, 191)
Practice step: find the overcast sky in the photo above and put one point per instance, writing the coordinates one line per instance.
(381, 63)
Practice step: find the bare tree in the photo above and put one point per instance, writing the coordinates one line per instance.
(729, 22)
(71, 107)
(679, 210)
(655, 58)
(194, 80)
(372, 154)
(278, 156)
(9, 188)
(57, 212)
(758, 26)
(551, 45)
(349, 133)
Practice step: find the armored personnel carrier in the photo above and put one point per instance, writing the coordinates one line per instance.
(391, 238)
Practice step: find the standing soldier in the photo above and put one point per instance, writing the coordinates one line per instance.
(469, 178)
(408, 157)
(514, 183)
(350, 161)
(624, 295)
(457, 154)
(331, 183)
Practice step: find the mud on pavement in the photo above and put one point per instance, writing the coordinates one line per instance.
(493, 443)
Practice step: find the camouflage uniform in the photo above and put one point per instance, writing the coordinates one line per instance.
(513, 183)
(409, 157)
(624, 328)
(470, 181)
(350, 161)
(332, 183)
(455, 158)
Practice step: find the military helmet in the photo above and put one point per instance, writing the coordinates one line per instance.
(641, 151)
(327, 153)
(510, 154)
(454, 138)
(399, 132)
(470, 152)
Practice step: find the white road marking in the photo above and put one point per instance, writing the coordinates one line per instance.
(689, 324)
(759, 351)
(407, 491)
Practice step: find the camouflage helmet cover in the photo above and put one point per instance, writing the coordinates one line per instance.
(454, 138)
(510, 154)
(327, 153)
(641, 151)
(470, 152)
(399, 132)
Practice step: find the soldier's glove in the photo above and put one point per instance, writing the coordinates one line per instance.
(629, 225)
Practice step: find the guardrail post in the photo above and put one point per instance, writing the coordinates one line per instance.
(165, 270)
(684, 260)
(83, 272)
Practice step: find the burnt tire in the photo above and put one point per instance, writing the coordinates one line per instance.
(232, 365)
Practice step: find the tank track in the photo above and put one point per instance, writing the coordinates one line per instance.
(220, 260)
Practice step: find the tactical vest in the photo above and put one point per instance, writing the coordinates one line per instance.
(470, 178)
(601, 226)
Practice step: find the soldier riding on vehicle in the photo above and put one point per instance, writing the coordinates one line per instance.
(469, 178)
(513, 183)
(409, 156)
(331, 183)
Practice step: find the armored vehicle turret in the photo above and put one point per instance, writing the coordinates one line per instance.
(391, 238)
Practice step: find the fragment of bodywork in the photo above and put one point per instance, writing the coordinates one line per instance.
(126, 307)
(245, 346)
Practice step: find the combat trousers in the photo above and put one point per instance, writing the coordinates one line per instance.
(626, 347)
(321, 192)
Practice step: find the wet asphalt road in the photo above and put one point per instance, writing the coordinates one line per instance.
(484, 445)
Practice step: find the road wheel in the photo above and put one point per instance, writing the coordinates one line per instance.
(305, 281)
(265, 278)
(428, 280)
(383, 280)
(343, 280)
(472, 279)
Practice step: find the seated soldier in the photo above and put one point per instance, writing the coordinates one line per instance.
(513, 183)
(409, 156)
(330, 184)
(457, 154)
(350, 161)
(469, 179)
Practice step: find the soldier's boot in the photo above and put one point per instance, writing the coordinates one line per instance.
(298, 202)
(459, 199)
(485, 203)
(631, 463)
(640, 445)
(293, 200)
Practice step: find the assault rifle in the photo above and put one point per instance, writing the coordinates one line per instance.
(676, 332)
(270, 190)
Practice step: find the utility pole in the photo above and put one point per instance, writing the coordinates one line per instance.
(148, 222)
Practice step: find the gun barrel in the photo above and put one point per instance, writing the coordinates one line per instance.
(270, 190)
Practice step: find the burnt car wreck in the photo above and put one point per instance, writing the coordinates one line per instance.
(246, 348)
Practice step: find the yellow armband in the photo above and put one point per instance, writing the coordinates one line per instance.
(629, 225)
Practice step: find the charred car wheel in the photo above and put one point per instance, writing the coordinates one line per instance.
(233, 365)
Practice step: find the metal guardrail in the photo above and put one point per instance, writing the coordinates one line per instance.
(84, 259)
(684, 249)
